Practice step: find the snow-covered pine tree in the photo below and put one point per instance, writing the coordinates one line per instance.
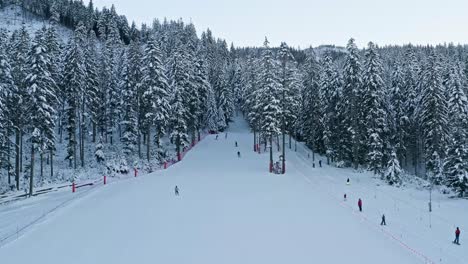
(270, 101)
(21, 43)
(200, 80)
(393, 172)
(93, 98)
(412, 101)
(221, 119)
(7, 90)
(73, 81)
(433, 117)
(312, 113)
(287, 116)
(399, 115)
(455, 165)
(99, 153)
(177, 122)
(136, 75)
(352, 126)
(129, 118)
(156, 98)
(225, 100)
(293, 101)
(193, 100)
(330, 91)
(211, 112)
(374, 109)
(40, 88)
(252, 98)
(180, 81)
(112, 54)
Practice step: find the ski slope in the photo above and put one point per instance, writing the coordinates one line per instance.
(230, 210)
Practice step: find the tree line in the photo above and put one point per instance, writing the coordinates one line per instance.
(99, 90)
(383, 109)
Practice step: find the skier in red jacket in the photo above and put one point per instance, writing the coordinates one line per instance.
(359, 203)
(457, 236)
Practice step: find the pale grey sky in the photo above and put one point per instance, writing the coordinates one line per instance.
(311, 22)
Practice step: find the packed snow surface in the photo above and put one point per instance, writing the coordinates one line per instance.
(231, 210)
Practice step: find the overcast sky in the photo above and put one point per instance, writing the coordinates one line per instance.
(302, 23)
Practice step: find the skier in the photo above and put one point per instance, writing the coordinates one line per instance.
(383, 220)
(236, 144)
(216, 137)
(320, 163)
(225, 135)
(238, 154)
(359, 203)
(347, 182)
(176, 190)
(344, 196)
(457, 237)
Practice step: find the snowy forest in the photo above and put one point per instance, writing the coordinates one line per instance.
(115, 92)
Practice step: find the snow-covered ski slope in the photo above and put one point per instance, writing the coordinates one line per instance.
(231, 210)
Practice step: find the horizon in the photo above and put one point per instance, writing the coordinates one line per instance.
(419, 23)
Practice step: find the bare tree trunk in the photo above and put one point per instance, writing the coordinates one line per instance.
(17, 160)
(21, 151)
(31, 180)
(74, 150)
(193, 136)
(255, 140)
(81, 134)
(94, 132)
(271, 153)
(148, 144)
(51, 163)
(42, 165)
(139, 144)
(278, 142)
(9, 158)
(283, 169)
(178, 148)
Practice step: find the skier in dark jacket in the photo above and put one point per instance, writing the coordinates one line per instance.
(176, 191)
(238, 154)
(236, 144)
(457, 236)
(359, 203)
(383, 220)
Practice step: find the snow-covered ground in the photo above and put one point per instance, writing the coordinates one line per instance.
(13, 17)
(231, 210)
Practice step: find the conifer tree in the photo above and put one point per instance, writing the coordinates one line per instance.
(40, 88)
(374, 109)
(352, 125)
(156, 97)
(271, 109)
(433, 116)
(393, 173)
(73, 81)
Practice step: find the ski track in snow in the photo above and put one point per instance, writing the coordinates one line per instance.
(231, 210)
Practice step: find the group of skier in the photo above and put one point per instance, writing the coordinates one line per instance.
(383, 222)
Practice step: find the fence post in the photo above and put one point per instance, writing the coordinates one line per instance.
(105, 179)
(136, 171)
(165, 165)
(73, 187)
